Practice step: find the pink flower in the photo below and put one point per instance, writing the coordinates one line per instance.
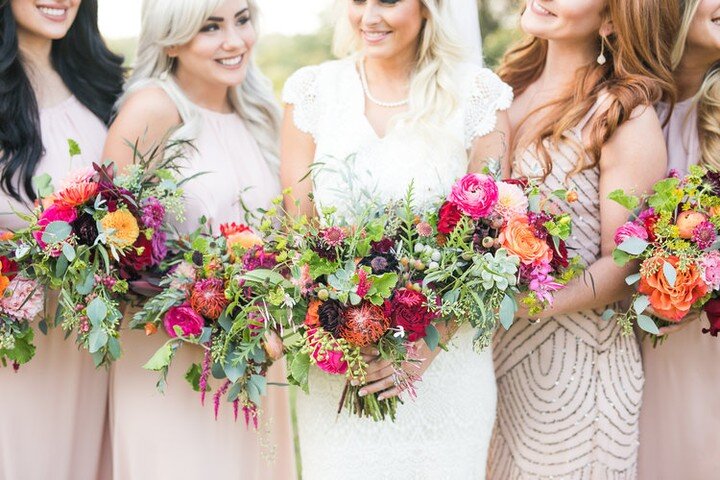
(23, 299)
(704, 235)
(55, 213)
(363, 286)
(512, 201)
(333, 236)
(542, 283)
(629, 230)
(710, 267)
(81, 175)
(424, 229)
(329, 361)
(189, 321)
(475, 195)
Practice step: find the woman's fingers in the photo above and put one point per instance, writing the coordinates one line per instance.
(375, 375)
(378, 386)
(393, 392)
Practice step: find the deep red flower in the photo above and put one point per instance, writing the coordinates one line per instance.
(712, 310)
(560, 254)
(408, 309)
(208, 298)
(137, 258)
(521, 182)
(9, 268)
(448, 218)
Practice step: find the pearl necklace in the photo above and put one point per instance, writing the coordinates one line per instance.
(379, 103)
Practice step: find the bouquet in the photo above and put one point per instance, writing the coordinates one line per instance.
(674, 236)
(92, 236)
(21, 299)
(360, 286)
(492, 240)
(224, 294)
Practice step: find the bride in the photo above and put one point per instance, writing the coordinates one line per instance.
(401, 107)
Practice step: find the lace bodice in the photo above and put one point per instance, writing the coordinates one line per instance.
(353, 164)
(445, 433)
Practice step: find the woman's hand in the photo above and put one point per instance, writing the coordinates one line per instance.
(676, 326)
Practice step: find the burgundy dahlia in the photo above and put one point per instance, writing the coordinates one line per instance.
(408, 309)
(85, 229)
(331, 316)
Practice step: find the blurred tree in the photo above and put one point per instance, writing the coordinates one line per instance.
(498, 25)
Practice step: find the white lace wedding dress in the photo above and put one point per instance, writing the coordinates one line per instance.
(445, 433)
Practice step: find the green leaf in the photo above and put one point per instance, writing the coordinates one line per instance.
(234, 372)
(24, 349)
(633, 246)
(262, 276)
(114, 348)
(641, 304)
(632, 279)
(61, 266)
(432, 337)
(621, 258)
(193, 377)
(42, 184)
(56, 232)
(667, 195)
(225, 322)
(69, 252)
(300, 368)
(73, 148)
(161, 359)
(647, 324)
(608, 314)
(97, 339)
(508, 308)
(630, 202)
(383, 285)
(87, 284)
(670, 273)
(97, 312)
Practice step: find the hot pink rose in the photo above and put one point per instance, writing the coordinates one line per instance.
(189, 321)
(475, 195)
(55, 213)
(329, 361)
(629, 230)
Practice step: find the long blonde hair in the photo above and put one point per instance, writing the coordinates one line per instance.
(433, 91)
(707, 98)
(167, 23)
(637, 72)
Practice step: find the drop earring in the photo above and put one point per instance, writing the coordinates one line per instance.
(601, 60)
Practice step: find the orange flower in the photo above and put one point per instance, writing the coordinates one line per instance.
(245, 240)
(122, 228)
(671, 302)
(4, 282)
(77, 193)
(5, 236)
(687, 221)
(519, 239)
(312, 319)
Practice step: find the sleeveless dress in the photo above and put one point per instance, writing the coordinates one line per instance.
(53, 411)
(444, 434)
(679, 428)
(156, 436)
(569, 387)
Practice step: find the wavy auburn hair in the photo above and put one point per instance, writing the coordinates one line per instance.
(707, 98)
(637, 72)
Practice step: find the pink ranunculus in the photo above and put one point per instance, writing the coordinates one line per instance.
(629, 230)
(329, 361)
(189, 321)
(55, 213)
(23, 299)
(475, 195)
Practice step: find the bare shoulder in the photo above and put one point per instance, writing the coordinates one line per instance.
(639, 138)
(153, 105)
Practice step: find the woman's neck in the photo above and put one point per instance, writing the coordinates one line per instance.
(35, 50)
(396, 69)
(563, 61)
(689, 75)
(210, 97)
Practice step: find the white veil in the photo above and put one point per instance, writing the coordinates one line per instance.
(464, 14)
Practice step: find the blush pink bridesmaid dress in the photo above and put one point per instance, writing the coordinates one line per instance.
(156, 436)
(679, 421)
(53, 411)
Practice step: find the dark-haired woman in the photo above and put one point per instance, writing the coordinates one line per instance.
(58, 80)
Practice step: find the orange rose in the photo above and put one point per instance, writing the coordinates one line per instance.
(687, 221)
(519, 238)
(671, 302)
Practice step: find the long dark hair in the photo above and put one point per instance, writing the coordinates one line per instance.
(87, 67)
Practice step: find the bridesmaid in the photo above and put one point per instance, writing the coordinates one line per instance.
(195, 74)
(678, 433)
(58, 80)
(569, 383)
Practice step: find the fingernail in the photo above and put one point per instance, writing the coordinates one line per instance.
(354, 383)
(362, 393)
(376, 352)
(381, 398)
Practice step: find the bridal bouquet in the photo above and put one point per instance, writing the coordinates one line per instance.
(674, 236)
(490, 241)
(224, 294)
(90, 237)
(21, 299)
(360, 286)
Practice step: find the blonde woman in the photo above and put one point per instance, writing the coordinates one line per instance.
(678, 426)
(407, 109)
(569, 383)
(195, 74)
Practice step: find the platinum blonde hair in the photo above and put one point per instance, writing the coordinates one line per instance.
(707, 98)
(432, 89)
(167, 23)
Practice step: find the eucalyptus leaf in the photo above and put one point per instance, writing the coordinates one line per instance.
(508, 308)
(56, 232)
(69, 252)
(42, 184)
(633, 246)
(234, 372)
(87, 284)
(641, 304)
(97, 339)
(61, 266)
(647, 324)
(670, 273)
(608, 314)
(432, 337)
(114, 348)
(97, 312)
(632, 279)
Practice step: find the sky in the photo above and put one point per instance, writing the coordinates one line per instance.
(121, 18)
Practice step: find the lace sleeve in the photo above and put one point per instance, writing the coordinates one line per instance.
(488, 95)
(301, 90)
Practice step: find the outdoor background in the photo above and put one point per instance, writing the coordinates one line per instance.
(295, 33)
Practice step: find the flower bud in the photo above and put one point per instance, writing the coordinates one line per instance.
(323, 294)
(488, 242)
